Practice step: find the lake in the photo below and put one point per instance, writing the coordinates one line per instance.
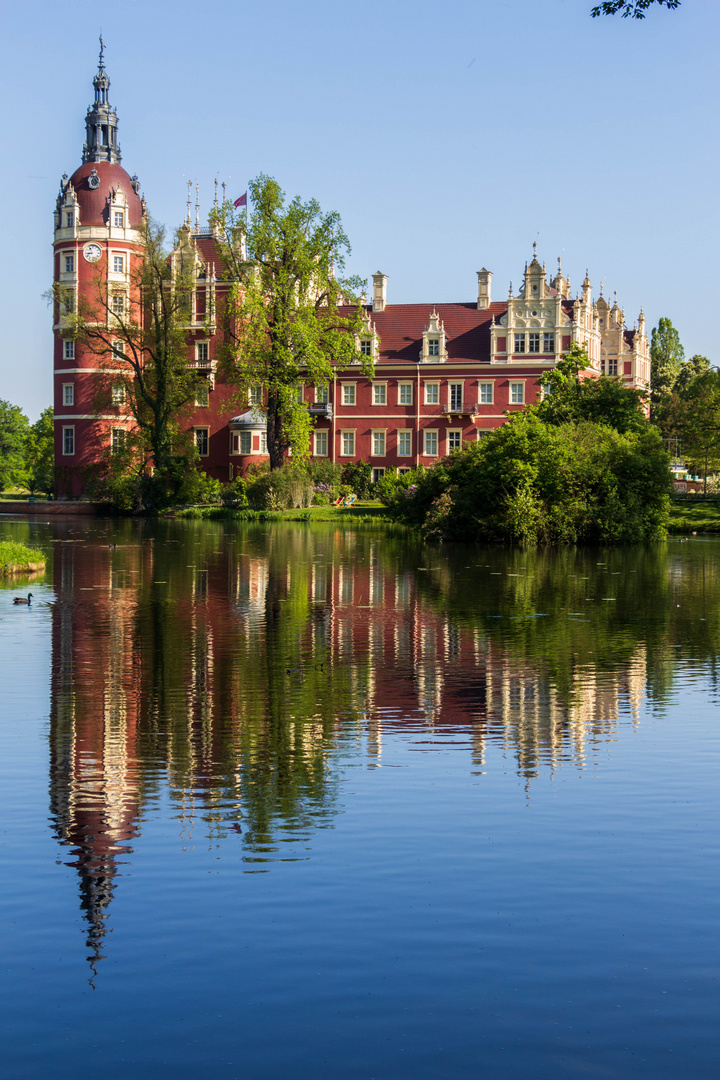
(293, 800)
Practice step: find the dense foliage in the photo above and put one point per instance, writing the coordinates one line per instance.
(26, 450)
(634, 9)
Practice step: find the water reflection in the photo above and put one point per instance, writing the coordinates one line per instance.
(235, 672)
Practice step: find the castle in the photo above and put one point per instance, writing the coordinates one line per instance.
(445, 374)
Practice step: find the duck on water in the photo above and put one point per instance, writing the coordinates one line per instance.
(22, 599)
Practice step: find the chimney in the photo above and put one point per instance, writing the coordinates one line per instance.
(484, 283)
(379, 291)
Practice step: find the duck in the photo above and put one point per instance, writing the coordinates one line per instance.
(22, 600)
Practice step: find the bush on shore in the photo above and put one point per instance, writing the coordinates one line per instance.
(530, 482)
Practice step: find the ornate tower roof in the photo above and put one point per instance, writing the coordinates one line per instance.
(101, 121)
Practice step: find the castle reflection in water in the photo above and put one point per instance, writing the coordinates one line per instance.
(237, 671)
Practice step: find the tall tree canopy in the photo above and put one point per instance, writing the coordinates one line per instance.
(41, 453)
(140, 340)
(600, 401)
(634, 9)
(666, 360)
(290, 317)
(14, 429)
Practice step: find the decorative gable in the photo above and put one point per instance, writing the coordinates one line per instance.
(434, 346)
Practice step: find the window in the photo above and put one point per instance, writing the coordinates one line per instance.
(348, 443)
(379, 393)
(263, 442)
(456, 393)
(454, 440)
(118, 393)
(202, 441)
(202, 352)
(519, 343)
(431, 443)
(404, 446)
(377, 474)
(612, 365)
(433, 346)
(534, 343)
(321, 395)
(118, 350)
(486, 393)
(118, 264)
(255, 395)
(117, 439)
(348, 394)
(68, 441)
(299, 394)
(202, 396)
(517, 393)
(245, 442)
(118, 219)
(68, 303)
(68, 393)
(405, 393)
(69, 264)
(69, 222)
(321, 443)
(366, 346)
(68, 350)
(432, 393)
(118, 303)
(378, 443)
(403, 470)
(548, 343)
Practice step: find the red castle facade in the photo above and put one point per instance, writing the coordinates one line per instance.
(445, 374)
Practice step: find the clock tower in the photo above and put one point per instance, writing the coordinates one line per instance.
(97, 251)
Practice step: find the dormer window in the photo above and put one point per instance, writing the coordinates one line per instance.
(366, 346)
(118, 218)
(434, 341)
(70, 220)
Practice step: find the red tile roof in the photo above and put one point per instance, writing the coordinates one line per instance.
(467, 331)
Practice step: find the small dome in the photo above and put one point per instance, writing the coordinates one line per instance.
(95, 202)
(249, 419)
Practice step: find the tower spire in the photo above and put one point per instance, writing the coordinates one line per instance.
(101, 121)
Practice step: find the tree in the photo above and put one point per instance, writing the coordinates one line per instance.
(600, 401)
(666, 360)
(14, 427)
(40, 453)
(690, 370)
(288, 317)
(635, 9)
(692, 417)
(141, 343)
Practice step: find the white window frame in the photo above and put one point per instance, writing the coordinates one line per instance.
(403, 470)
(435, 386)
(348, 391)
(349, 434)
(202, 352)
(454, 431)
(68, 392)
(118, 219)
(456, 383)
(202, 395)
(68, 350)
(379, 390)
(300, 394)
(428, 435)
(549, 342)
(433, 346)
(255, 394)
(68, 440)
(69, 264)
(534, 340)
(263, 442)
(378, 473)
(481, 389)
(118, 393)
(513, 390)
(406, 387)
(117, 303)
(118, 259)
(519, 344)
(117, 440)
(321, 443)
(118, 350)
(379, 434)
(206, 432)
(69, 219)
(321, 395)
(404, 435)
(366, 346)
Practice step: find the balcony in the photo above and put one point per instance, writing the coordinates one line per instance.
(460, 408)
(321, 409)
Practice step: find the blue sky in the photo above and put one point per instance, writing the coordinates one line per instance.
(449, 136)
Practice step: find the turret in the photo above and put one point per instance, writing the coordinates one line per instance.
(101, 121)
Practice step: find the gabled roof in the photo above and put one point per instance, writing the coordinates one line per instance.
(400, 328)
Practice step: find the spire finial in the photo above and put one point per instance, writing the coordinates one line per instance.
(534, 249)
(510, 292)
(197, 206)
(223, 187)
(559, 264)
(189, 203)
(215, 201)
(102, 50)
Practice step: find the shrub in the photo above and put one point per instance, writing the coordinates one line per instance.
(358, 476)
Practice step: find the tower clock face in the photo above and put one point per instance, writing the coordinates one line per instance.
(92, 252)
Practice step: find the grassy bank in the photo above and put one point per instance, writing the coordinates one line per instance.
(359, 512)
(688, 517)
(17, 558)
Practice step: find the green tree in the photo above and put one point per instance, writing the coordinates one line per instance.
(666, 360)
(14, 428)
(288, 316)
(690, 370)
(141, 341)
(40, 453)
(696, 415)
(634, 9)
(600, 401)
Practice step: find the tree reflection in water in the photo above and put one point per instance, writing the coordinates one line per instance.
(237, 667)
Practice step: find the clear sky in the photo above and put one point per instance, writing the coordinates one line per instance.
(448, 135)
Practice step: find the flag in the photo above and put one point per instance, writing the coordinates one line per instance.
(242, 201)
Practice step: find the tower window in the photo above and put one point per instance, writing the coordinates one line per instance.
(68, 441)
(118, 394)
(202, 396)
(118, 303)
(70, 220)
(117, 444)
(118, 264)
(68, 394)
(68, 350)
(69, 264)
(118, 218)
